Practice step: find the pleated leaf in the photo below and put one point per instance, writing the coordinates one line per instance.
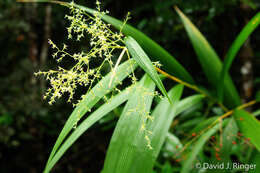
(90, 99)
(86, 124)
(163, 116)
(209, 61)
(249, 126)
(129, 138)
(144, 62)
(235, 47)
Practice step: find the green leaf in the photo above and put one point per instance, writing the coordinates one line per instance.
(128, 141)
(163, 116)
(87, 123)
(256, 113)
(172, 145)
(188, 102)
(197, 147)
(154, 50)
(90, 99)
(249, 126)
(233, 50)
(142, 60)
(257, 96)
(210, 61)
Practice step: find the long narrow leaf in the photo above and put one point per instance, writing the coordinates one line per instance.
(233, 50)
(163, 116)
(209, 61)
(249, 126)
(142, 60)
(86, 124)
(128, 140)
(91, 99)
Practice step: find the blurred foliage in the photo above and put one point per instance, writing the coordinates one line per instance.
(29, 125)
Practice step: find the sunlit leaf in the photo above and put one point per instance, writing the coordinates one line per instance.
(129, 138)
(90, 99)
(86, 124)
(143, 60)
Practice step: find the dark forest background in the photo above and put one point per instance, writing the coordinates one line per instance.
(29, 126)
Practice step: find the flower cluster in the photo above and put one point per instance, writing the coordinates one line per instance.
(103, 43)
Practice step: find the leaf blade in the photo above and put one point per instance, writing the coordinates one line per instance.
(143, 61)
(235, 47)
(249, 126)
(86, 124)
(209, 61)
(90, 100)
(127, 140)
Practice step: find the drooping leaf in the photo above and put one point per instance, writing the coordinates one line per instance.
(86, 124)
(129, 138)
(90, 99)
(210, 61)
(233, 50)
(143, 60)
(249, 126)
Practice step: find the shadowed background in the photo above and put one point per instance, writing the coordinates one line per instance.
(29, 126)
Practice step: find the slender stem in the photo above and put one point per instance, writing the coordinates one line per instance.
(117, 63)
(220, 120)
(193, 87)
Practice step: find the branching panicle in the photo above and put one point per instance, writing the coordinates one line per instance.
(103, 44)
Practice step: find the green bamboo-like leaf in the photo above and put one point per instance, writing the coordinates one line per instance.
(188, 102)
(163, 116)
(233, 50)
(128, 141)
(249, 126)
(91, 98)
(154, 50)
(86, 124)
(197, 147)
(210, 61)
(204, 124)
(172, 145)
(142, 60)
